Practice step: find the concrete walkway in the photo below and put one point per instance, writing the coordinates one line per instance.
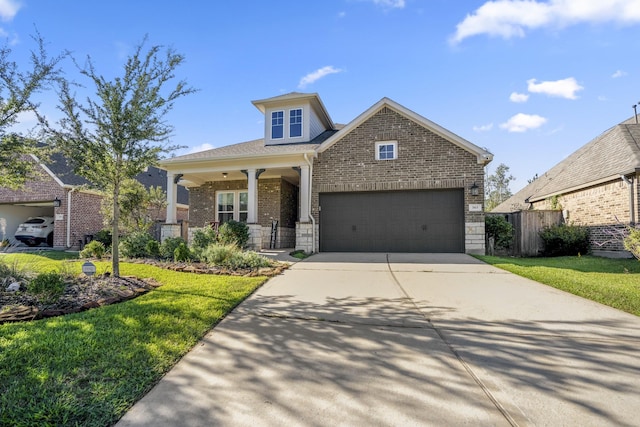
(405, 339)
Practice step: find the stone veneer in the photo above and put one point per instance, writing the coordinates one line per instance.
(304, 237)
(425, 161)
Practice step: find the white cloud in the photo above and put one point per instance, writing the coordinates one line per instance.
(483, 128)
(9, 9)
(511, 18)
(523, 122)
(518, 97)
(565, 88)
(391, 4)
(618, 74)
(342, 14)
(316, 75)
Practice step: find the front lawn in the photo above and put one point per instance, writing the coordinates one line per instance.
(89, 368)
(613, 282)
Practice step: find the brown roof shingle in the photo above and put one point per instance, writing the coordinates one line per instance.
(614, 152)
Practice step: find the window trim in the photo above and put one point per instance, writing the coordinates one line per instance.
(394, 144)
(283, 119)
(301, 122)
(236, 204)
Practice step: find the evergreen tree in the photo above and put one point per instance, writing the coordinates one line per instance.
(497, 187)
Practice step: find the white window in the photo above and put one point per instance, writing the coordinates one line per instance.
(277, 124)
(386, 150)
(295, 123)
(232, 205)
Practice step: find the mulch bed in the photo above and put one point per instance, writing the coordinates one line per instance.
(82, 294)
(85, 293)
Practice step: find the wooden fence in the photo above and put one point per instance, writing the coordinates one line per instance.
(526, 228)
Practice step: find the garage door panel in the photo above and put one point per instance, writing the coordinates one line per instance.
(402, 221)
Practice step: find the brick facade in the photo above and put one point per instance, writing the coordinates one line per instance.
(602, 208)
(277, 200)
(425, 161)
(86, 218)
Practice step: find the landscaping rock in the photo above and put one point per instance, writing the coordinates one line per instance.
(80, 295)
(14, 287)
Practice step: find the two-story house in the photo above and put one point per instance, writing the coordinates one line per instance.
(389, 181)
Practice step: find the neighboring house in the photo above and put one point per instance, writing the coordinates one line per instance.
(389, 181)
(59, 193)
(596, 186)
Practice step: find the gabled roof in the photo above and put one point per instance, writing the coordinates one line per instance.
(249, 149)
(614, 153)
(483, 155)
(59, 169)
(287, 99)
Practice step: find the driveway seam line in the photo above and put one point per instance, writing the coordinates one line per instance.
(464, 364)
(340, 322)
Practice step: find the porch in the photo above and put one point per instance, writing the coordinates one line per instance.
(273, 201)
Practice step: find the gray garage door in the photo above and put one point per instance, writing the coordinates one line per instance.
(398, 221)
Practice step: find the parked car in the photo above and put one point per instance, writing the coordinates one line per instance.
(36, 230)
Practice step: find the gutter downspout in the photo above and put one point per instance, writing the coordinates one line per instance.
(71, 190)
(313, 221)
(632, 211)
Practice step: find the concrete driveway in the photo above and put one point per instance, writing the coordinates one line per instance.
(405, 339)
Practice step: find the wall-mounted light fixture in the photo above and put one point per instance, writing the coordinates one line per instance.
(224, 174)
(474, 189)
(57, 203)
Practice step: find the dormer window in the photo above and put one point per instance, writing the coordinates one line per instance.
(295, 123)
(277, 125)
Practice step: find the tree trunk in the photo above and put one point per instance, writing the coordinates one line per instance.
(115, 238)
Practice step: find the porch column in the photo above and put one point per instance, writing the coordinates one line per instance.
(172, 198)
(304, 193)
(252, 187)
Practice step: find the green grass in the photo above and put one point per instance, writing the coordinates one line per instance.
(89, 368)
(613, 282)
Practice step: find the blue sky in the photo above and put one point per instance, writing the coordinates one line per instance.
(531, 81)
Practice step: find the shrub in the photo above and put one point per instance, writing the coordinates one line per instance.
(560, 240)
(169, 245)
(500, 229)
(632, 241)
(94, 248)
(204, 237)
(181, 253)
(234, 232)
(135, 245)
(104, 237)
(48, 286)
(217, 254)
(153, 248)
(251, 260)
(230, 256)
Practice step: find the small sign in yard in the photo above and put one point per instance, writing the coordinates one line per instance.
(89, 268)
